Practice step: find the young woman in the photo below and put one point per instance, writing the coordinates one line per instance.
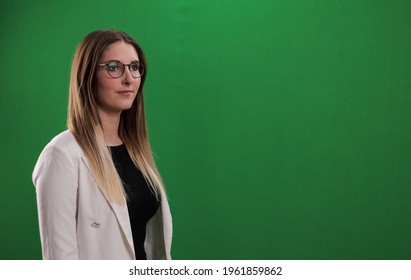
(99, 193)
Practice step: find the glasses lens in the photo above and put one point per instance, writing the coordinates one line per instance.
(115, 69)
(136, 69)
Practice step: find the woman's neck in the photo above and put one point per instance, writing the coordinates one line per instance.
(110, 123)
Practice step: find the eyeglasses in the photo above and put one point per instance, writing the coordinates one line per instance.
(116, 69)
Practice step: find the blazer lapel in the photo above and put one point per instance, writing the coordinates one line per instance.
(123, 219)
(120, 211)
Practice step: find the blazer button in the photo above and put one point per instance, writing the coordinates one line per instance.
(95, 224)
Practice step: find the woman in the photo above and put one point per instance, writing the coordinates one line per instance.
(99, 193)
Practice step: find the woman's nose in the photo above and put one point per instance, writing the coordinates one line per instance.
(127, 78)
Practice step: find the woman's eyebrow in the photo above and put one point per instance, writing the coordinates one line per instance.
(135, 60)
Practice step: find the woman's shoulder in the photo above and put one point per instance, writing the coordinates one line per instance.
(66, 142)
(61, 152)
(63, 138)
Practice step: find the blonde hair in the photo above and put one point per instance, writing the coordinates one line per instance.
(84, 122)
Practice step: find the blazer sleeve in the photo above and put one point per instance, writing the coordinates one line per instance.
(55, 179)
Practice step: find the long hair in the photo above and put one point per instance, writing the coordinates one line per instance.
(84, 122)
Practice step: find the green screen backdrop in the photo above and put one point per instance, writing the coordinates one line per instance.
(281, 128)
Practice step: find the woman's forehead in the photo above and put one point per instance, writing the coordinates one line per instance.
(121, 51)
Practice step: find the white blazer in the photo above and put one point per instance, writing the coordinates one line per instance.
(77, 221)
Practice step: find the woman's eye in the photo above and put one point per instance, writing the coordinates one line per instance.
(134, 67)
(112, 66)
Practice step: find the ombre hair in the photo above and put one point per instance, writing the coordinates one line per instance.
(85, 124)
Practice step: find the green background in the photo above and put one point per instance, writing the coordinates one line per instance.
(281, 128)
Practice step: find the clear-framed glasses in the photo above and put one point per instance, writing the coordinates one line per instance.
(116, 69)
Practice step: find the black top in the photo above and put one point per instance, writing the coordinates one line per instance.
(141, 202)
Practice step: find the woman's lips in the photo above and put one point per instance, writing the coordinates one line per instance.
(125, 92)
